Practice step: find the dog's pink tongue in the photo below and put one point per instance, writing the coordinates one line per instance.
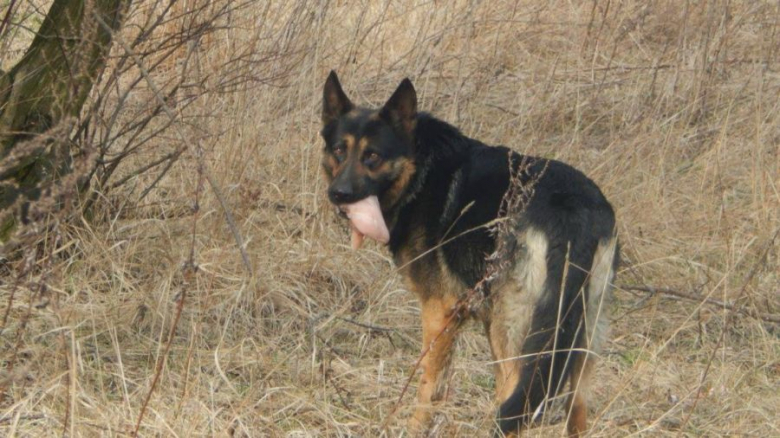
(366, 219)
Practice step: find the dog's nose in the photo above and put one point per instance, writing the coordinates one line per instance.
(341, 194)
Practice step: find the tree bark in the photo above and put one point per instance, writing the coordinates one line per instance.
(47, 87)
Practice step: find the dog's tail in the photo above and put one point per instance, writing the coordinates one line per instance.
(563, 325)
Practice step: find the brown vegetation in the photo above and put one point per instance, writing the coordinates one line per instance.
(671, 107)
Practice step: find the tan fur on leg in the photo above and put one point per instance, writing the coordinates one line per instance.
(508, 372)
(576, 404)
(438, 339)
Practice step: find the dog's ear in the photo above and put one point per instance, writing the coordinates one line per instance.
(401, 108)
(334, 102)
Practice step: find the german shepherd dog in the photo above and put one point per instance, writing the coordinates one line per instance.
(445, 202)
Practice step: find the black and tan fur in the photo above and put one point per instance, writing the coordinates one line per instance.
(441, 193)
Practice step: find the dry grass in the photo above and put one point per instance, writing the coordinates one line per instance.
(673, 109)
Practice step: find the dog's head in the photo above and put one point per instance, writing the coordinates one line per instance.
(368, 152)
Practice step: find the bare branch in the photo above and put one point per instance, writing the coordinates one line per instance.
(198, 150)
(767, 317)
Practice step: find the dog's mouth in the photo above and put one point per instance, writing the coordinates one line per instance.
(365, 219)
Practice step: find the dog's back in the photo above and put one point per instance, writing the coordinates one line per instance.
(552, 230)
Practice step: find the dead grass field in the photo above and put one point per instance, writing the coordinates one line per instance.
(671, 107)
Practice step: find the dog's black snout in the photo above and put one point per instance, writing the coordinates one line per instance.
(346, 188)
(341, 195)
(343, 192)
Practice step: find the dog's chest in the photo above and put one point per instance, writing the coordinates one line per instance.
(426, 273)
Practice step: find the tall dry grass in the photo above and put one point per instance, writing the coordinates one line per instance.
(672, 108)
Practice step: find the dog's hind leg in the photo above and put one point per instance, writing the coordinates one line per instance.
(511, 324)
(507, 370)
(440, 328)
(576, 403)
(596, 321)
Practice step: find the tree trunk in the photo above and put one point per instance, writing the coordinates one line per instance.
(48, 87)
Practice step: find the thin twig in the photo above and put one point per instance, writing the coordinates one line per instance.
(189, 270)
(229, 218)
(366, 326)
(333, 349)
(7, 17)
(154, 183)
(767, 317)
(332, 381)
(198, 150)
(30, 417)
(171, 156)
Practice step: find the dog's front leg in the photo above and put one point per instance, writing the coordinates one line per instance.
(440, 328)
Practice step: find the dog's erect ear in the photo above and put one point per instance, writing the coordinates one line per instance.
(334, 102)
(401, 108)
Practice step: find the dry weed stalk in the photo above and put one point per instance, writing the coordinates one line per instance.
(189, 271)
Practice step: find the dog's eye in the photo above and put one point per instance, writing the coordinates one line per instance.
(372, 160)
(338, 151)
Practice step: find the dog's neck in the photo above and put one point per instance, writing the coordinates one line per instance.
(436, 144)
